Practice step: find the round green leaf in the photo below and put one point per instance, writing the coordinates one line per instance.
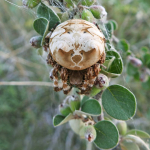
(91, 107)
(139, 133)
(113, 63)
(59, 119)
(87, 15)
(127, 145)
(46, 12)
(108, 46)
(146, 85)
(119, 102)
(135, 139)
(40, 25)
(146, 60)
(145, 49)
(131, 70)
(84, 99)
(108, 30)
(114, 23)
(107, 135)
(123, 45)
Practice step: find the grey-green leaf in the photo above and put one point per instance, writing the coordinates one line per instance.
(46, 12)
(84, 99)
(128, 145)
(146, 60)
(40, 25)
(123, 45)
(107, 135)
(114, 23)
(59, 119)
(91, 107)
(119, 102)
(109, 30)
(113, 63)
(131, 70)
(139, 133)
(136, 139)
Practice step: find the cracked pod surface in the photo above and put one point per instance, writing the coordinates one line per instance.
(77, 44)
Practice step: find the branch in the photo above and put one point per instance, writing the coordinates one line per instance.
(98, 97)
(27, 83)
(89, 146)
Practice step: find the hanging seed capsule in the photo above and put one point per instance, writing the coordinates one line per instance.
(135, 61)
(64, 109)
(87, 2)
(98, 11)
(88, 133)
(30, 3)
(87, 15)
(76, 125)
(36, 41)
(122, 127)
(101, 82)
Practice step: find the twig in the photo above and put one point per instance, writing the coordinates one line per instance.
(103, 66)
(98, 97)
(89, 146)
(27, 83)
(21, 60)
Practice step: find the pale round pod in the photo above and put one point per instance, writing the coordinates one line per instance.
(77, 44)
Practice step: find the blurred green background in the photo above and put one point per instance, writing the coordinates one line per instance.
(26, 112)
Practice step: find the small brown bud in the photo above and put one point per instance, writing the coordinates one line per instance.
(36, 41)
(135, 61)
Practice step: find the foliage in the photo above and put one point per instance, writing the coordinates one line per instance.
(112, 60)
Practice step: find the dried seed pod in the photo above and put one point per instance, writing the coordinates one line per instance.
(135, 61)
(30, 3)
(88, 133)
(101, 82)
(144, 75)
